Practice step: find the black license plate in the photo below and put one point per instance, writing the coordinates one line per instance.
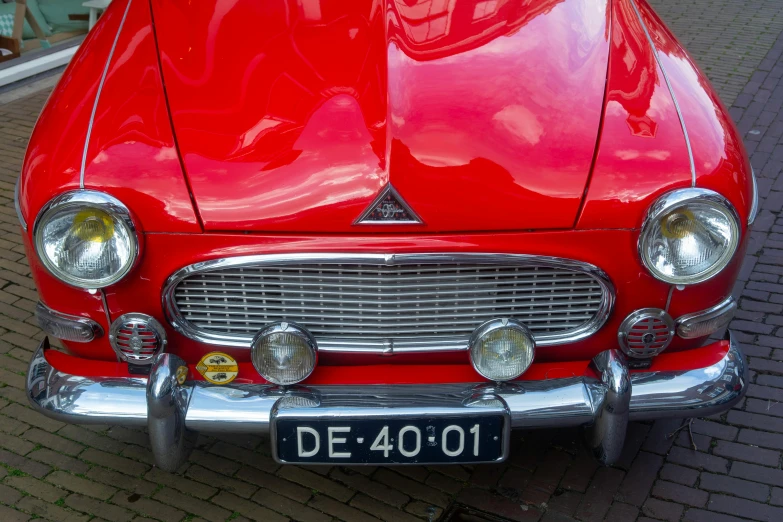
(391, 441)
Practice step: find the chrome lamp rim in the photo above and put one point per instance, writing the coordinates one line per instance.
(380, 346)
(494, 325)
(679, 198)
(292, 329)
(85, 199)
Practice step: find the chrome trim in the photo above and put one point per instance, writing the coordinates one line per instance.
(492, 326)
(167, 404)
(249, 408)
(384, 346)
(95, 329)
(388, 189)
(754, 204)
(98, 95)
(17, 207)
(607, 436)
(654, 50)
(669, 297)
(632, 320)
(727, 306)
(150, 323)
(88, 198)
(85, 400)
(289, 328)
(677, 198)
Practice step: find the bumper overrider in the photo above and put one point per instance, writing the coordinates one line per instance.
(173, 412)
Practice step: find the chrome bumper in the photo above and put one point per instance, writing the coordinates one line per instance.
(173, 412)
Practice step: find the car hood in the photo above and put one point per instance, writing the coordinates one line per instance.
(296, 116)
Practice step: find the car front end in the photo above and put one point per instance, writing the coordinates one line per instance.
(395, 254)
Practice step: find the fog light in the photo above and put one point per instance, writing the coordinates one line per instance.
(284, 353)
(502, 349)
(706, 322)
(67, 327)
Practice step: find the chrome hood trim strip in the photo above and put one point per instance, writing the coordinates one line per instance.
(98, 94)
(671, 92)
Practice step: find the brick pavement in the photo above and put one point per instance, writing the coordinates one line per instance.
(62, 472)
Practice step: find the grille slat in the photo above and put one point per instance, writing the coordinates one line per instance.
(398, 300)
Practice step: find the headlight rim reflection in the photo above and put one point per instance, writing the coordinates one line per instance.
(82, 200)
(686, 200)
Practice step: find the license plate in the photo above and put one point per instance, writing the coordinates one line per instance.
(391, 441)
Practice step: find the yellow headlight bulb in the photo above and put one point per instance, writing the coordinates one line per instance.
(93, 225)
(678, 224)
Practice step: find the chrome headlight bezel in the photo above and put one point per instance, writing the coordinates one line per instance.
(682, 198)
(85, 199)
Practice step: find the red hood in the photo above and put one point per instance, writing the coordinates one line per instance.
(293, 115)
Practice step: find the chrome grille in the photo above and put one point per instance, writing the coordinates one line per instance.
(405, 301)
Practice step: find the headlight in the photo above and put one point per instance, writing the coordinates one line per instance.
(502, 349)
(689, 236)
(284, 353)
(86, 239)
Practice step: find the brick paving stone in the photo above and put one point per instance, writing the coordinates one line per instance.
(77, 484)
(566, 502)
(678, 474)
(9, 495)
(502, 506)
(247, 508)
(598, 498)
(147, 507)
(662, 510)
(36, 487)
(746, 453)
(284, 487)
(679, 493)
(734, 486)
(53, 442)
(370, 488)
(745, 508)
(620, 512)
(639, 480)
(58, 460)
(699, 515)
(189, 504)
(761, 438)
(412, 488)
(133, 484)
(189, 487)
(51, 511)
(377, 509)
(10, 515)
(294, 509)
(95, 507)
(756, 473)
(340, 510)
(312, 480)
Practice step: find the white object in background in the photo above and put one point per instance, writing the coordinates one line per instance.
(39, 65)
(95, 6)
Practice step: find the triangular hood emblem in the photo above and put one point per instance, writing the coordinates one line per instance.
(388, 209)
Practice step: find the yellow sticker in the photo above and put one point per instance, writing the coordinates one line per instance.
(218, 368)
(182, 374)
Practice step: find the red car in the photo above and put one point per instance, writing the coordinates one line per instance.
(384, 232)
